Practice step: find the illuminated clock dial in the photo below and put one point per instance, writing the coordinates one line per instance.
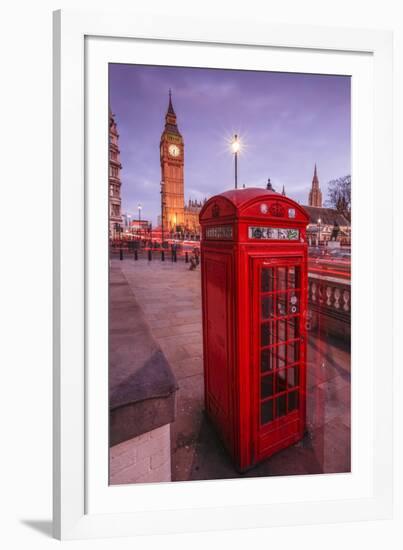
(174, 150)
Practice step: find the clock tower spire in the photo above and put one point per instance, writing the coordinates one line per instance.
(172, 174)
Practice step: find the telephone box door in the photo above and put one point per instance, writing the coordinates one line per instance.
(279, 353)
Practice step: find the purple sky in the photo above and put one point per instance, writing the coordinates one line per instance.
(286, 121)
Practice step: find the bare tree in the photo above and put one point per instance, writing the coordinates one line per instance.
(339, 195)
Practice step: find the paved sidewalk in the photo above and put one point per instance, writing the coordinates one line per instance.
(169, 295)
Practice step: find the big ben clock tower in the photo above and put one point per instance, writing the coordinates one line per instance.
(172, 161)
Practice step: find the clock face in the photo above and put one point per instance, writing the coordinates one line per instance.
(174, 150)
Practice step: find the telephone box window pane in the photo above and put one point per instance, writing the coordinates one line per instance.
(294, 277)
(266, 412)
(281, 278)
(281, 330)
(292, 401)
(293, 377)
(291, 277)
(266, 386)
(281, 380)
(267, 307)
(281, 305)
(293, 303)
(267, 334)
(293, 328)
(267, 280)
(266, 360)
(280, 355)
(293, 352)
(281, 406)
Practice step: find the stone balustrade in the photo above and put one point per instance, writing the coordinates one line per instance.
(329, 305)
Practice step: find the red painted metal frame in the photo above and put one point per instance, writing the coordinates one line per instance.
(231, 270)
(286, 430)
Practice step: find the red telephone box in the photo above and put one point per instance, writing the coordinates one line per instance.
(254, 299)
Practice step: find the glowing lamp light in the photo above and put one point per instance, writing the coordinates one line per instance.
(235, 144)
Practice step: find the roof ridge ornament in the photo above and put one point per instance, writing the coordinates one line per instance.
(269, 186)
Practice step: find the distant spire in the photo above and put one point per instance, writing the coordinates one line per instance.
(315, 194)
(315, 176)
(283, 191)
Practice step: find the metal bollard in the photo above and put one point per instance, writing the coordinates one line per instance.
(121, 253)
(136, 255)
(175, 256)
(162, 256)
(186, 257)
(150, 256)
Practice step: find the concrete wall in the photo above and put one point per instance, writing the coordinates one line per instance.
(142, 393)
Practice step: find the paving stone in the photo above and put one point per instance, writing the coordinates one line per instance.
(188, 367)
(169, 294)
(191, 327)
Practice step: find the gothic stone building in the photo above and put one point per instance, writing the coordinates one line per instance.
(115, 216)
(176, 216)
(323, 219)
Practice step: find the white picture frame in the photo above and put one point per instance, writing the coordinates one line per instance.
(84, 505)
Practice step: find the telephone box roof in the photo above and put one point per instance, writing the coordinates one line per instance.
(242, 198)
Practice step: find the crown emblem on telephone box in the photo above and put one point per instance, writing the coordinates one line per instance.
(277, 210)
(215, 210)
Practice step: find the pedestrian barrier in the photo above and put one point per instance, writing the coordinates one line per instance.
(174, 254)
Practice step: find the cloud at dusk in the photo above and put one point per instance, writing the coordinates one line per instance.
(286, 121)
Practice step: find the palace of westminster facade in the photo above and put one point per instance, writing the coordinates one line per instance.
(176, 215)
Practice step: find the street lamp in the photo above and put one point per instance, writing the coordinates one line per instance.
(139, 209)
(319, 222)
(129, 222)
(236, 146)
(162, 213)
(119, 230)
